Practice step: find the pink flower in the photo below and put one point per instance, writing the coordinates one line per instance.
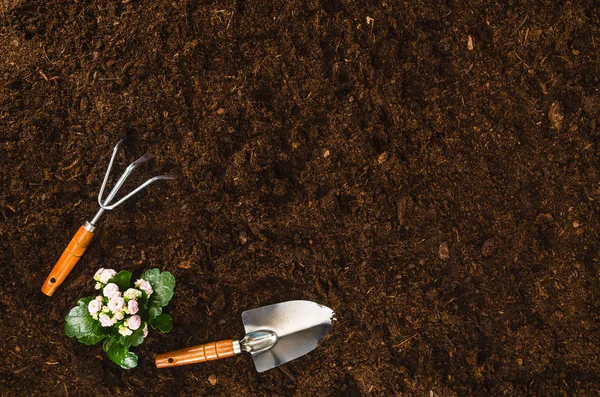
(94, 306)
(125, 331)
(132, 293)
(144, 286)
(98, 273)
(105, 321)
(106, 275)
(119, 316)
(111, 290)
(133, 307)
(134, 322)
(116, 304)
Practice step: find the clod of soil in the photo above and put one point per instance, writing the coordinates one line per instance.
(212, 379)
(489, 247)
(556, 116)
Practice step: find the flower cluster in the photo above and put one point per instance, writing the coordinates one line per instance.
(114, 306)
(120, 313)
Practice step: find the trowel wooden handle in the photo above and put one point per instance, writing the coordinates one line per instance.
(198, 354)
(68, 260)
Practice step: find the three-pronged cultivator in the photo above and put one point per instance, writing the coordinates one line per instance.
(85, 234)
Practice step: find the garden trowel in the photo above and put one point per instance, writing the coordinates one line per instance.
(275, 334)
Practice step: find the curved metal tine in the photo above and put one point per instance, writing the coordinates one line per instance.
(121, 180)
(110, 164)
(137, 190)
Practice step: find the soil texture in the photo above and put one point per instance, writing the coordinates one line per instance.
(427, 169)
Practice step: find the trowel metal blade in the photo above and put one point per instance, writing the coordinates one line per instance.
(299, 325)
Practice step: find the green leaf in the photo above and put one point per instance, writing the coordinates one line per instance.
(154, 312)
(80, 324)
(90, 339)
(78, 321)
(122, 279)
(163, 323)
(151, 275)
(163, 285)
(120, 354)
(135, 339)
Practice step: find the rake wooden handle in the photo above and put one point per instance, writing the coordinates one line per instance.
(198, 354)
(68, 260)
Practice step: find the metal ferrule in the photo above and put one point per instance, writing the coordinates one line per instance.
(89, 227)
(258, 341)
(236, 347)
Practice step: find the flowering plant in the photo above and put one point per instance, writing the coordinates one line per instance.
(121, 313)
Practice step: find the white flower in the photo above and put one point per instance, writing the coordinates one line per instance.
(98, 286)
(94, 306)
(111, 290)
(106, 275)
(105, 309)
(134, 322)
(133, 307)
(98, 273)
(144, 286)
(132, 293)
(116, 304)
(125, 331)
(95, 316)
(145, 329)
(105, 321)
(100, 298)
(119, 316)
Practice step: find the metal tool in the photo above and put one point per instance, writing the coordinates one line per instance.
(275, 334)
(84, 235)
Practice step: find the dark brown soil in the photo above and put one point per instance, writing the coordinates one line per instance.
(394, 161)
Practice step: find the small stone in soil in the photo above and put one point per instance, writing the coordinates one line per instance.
(556, 116)
(382, 157)
(212, 379)
(243, 238)
(185, 265)
(470, 45)
(444, 251)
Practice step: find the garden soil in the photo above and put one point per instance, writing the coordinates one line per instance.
(427, 169)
